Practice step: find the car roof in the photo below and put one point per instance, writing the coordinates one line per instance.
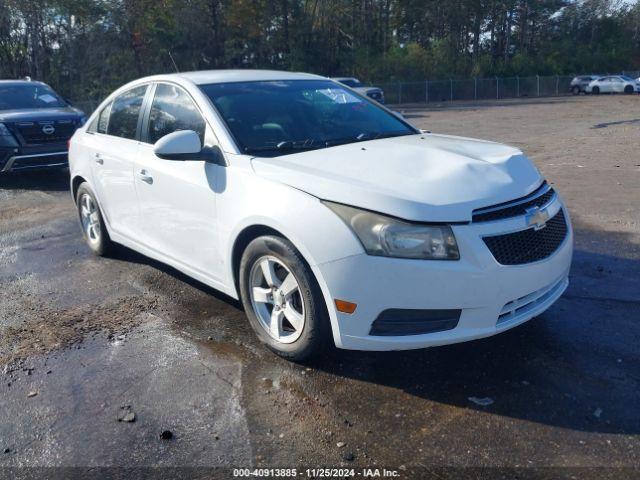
(204, 77)
(20, 82)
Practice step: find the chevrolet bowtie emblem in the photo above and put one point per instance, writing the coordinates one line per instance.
(537, 218)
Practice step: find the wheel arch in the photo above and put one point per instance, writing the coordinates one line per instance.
(244, 238)
(258, 229)
(76, 181)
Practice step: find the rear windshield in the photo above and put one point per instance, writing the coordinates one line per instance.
(278, 117)
(27, 96)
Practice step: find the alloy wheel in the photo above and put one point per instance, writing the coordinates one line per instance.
(276, 299)
(90, 218)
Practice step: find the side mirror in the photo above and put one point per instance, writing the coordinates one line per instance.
(398, 114)
(180, 145)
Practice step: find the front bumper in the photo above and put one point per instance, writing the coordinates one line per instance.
(30, 158)
(491, 297)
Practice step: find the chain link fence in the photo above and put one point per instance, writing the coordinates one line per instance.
(472, 89)
(469, 89)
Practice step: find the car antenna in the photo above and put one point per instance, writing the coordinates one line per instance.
(173, 61)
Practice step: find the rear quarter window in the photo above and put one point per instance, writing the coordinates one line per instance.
(101, 122)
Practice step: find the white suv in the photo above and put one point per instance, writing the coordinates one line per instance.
(328, 215)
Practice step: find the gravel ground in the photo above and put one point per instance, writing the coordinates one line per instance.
(86, 341)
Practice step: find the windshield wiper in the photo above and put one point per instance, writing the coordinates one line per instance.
(398, 133)
(313, 144)
(363, 137)
(288, 145)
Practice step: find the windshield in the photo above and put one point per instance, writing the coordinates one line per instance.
(276, 117)
(27, 96)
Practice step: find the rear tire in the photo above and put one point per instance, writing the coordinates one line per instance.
(595, 90)
(94, 229)
(282, 299)
(575, 90)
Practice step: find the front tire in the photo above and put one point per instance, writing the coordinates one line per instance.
(628, 89)
(93, 227)
(595, 90)
(282, 299)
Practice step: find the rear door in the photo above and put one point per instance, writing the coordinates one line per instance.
(115, 147)
(177, 197)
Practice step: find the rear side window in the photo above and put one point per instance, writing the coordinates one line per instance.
(125, 111)
(172, 110)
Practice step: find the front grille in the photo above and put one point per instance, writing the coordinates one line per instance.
(398, 322)
(31, 133)
(543, 195)
(527, 246)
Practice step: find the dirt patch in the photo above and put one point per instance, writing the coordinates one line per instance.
(52, 329)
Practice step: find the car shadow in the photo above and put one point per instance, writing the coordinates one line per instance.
(48, 180)
(577, 366)
(131, 256)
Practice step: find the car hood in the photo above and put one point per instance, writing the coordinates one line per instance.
(40, 114)
(429, 178)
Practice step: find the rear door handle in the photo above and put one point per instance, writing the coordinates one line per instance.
(145, 177)
(99, 159)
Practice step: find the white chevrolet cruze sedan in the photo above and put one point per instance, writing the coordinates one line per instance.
(328, 215)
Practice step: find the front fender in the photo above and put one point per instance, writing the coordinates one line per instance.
(319, 234)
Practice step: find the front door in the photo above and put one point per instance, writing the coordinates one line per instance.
(176, 197)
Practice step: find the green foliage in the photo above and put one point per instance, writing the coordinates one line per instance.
(85, 48)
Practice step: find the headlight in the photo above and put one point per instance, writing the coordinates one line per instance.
(388, 237)
(4, 131)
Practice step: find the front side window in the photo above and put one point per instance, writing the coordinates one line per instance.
(172, 110)
(23, 96)
(125, 111)
(275, 117)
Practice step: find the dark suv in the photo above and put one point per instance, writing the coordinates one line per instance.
(35, 126)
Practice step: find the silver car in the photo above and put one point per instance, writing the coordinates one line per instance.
(613, 84)
(374, 93)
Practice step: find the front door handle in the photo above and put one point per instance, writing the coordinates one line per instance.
(99, 159)
(145, 177)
